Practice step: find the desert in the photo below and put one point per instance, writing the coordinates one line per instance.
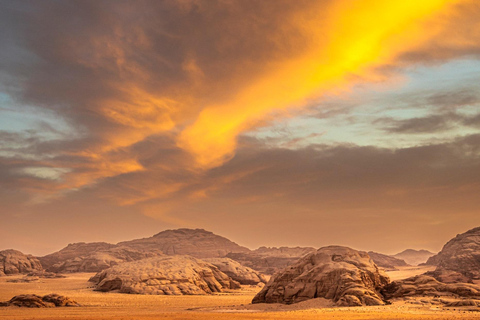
(329, 282)
(239, 159)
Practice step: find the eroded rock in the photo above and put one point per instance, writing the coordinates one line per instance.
(427, 286)
(36, 301)
(169, 275)
(238, 272)
(346, 276)
(459, 260)
(15, 262)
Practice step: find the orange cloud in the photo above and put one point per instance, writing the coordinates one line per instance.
(357, 36)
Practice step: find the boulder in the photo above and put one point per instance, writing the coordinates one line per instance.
(15, 262)
(346, 276)
(459, 260)
(198, 243)
(166, 275)
(238, 272)
(427, 286)
(36, 301)
(387, 262)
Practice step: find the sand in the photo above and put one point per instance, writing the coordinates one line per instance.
(233, 305)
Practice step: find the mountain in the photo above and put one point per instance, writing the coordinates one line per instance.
(15, 262)
(385, 261)
(269, 260)
(73, 251)
(459, 260)
(195, 242)
(101, 259)
(344, 275)
(414, 257)
(97, 256)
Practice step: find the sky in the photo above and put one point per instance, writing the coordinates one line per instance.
(272, 123)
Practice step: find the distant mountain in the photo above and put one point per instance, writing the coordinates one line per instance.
(385, 261)
(72, 251)
(198, 243)
(414, 257)
(269, 260)
(459, 260)
(97, 256)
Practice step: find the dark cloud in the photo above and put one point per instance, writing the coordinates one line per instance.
(430, 124)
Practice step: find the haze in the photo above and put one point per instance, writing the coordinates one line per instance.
(269, 122)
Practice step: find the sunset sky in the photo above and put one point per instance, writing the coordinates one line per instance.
(274, 122)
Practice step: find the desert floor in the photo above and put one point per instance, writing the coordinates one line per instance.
(235, 305)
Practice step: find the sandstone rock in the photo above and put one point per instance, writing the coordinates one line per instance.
(346, 276)
(236, 271)
(269, 260)
(104, 258)
(459, 260)
(15, 262)
(36, 301)
(385, 261)
(414, 257)
(169, 275)
(424, 286)
(195, 242)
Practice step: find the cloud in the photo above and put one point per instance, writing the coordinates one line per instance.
(430, 124)
(181, 80)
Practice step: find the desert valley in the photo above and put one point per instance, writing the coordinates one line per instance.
(239, 159)
(195, 274)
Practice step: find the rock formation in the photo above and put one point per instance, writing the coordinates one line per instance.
(238, 272)
(427, 286)
(269, 260)
(36, 301)
(387, 262)
(169, 275)
(459, 260)
(102, 259)
(195, 242)
(346, 276)
(14, 262)
(414, 257)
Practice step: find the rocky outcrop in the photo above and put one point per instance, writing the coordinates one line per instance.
(459, 260)
(104, 258)
(427, 286)
(194, 242)
(36, 301)
(387, 262)
(238, 272)
(269, 260)
(15, 262)
(414, 257)
(167, 275)
(346, 276)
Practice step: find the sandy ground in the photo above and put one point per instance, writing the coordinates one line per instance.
(235, 305)
(406, 272)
